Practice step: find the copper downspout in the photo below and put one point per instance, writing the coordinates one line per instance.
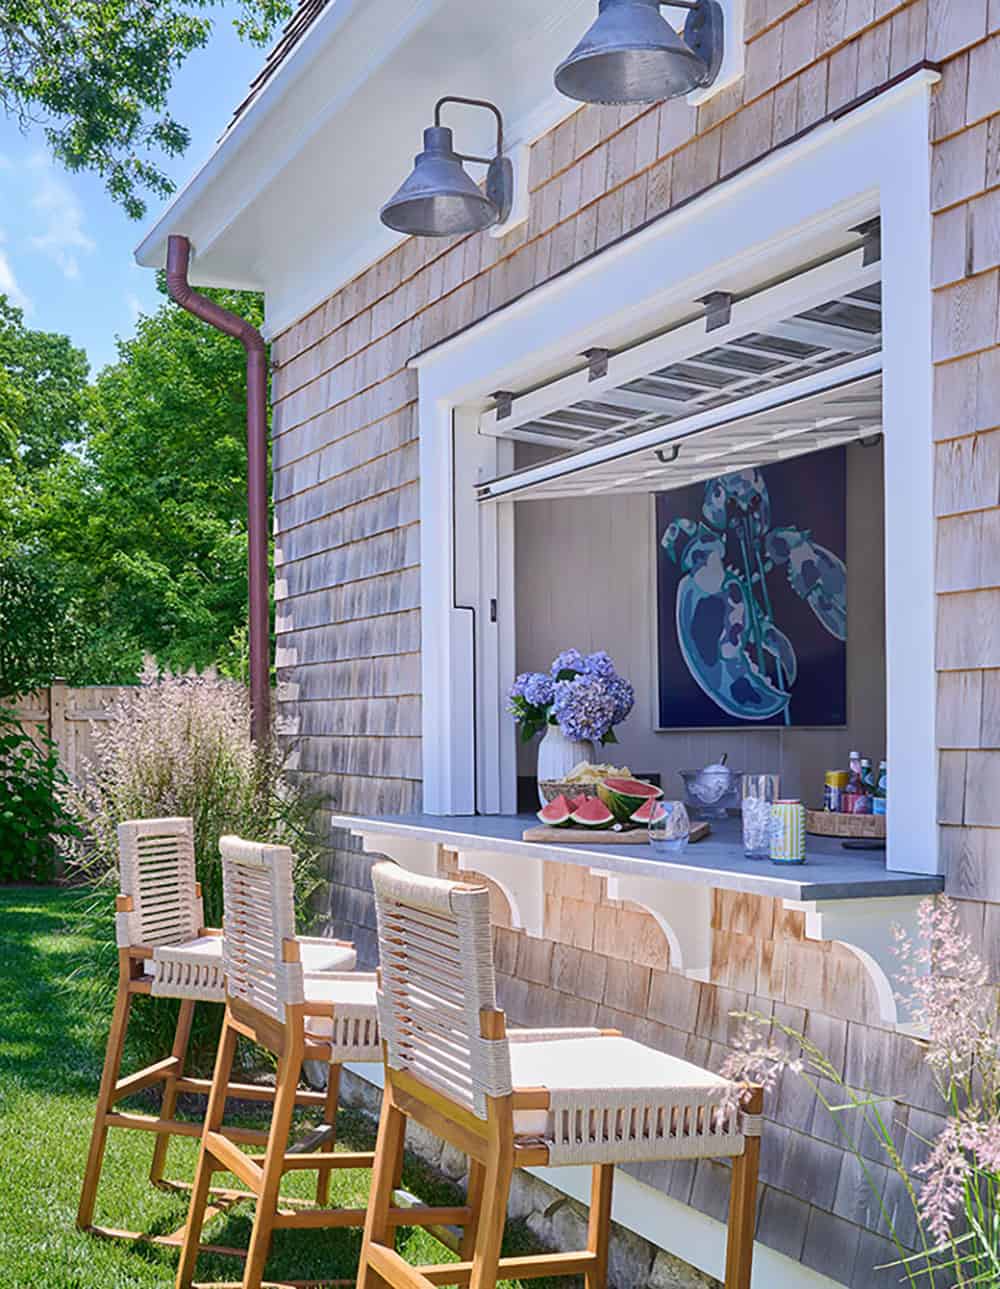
(178, 259)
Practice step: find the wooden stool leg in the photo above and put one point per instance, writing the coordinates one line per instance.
(289, 1067)
(109, 1077)
(743, 1208)
(474, 1199)
(182, 1035)
(203, 1172)
(330, 1119)
(388, 1149)
(492, 1219)
(599, 1226)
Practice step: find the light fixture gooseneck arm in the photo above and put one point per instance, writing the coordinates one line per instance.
(473, 102)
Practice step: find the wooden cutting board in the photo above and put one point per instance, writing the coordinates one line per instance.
(603, 836)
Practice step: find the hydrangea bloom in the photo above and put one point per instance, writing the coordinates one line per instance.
(517, 689)
(568, 660)
(622, 695)
(583, 707)
(587, 703)
(599, 664)
(539, 689)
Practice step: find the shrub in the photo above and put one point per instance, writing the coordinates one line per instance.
(181, 746)
(33, 814)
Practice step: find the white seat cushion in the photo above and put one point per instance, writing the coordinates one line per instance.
(352, 989)
(316, 955)
(203, 946)
(598, 1065)
(352, 1031)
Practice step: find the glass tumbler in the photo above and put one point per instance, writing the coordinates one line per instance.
(760, 791)
(670, 828)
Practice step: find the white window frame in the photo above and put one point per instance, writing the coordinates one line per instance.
(873, 161)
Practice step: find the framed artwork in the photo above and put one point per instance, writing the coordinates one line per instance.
(752, 597)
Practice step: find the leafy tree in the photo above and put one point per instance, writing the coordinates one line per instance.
(43, 383)
(96, 75)
(39, 635)
(146, 524)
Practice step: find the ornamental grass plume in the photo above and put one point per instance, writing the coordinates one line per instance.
(180, 745)
(955, 1195)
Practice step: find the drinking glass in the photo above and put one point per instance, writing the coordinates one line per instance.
(669, 830)
(760, 791)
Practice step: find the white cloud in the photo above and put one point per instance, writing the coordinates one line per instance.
(9, 285)
(63, 235)
(134, 305)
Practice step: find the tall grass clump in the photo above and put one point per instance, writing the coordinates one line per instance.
(180, 745)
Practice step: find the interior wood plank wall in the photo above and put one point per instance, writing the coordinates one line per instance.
(347, 572)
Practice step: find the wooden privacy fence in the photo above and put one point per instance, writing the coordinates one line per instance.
(67, 713)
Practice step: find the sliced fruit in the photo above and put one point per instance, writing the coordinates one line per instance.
(592, 813)
(623, 797)
(557, 813)
(648, 812)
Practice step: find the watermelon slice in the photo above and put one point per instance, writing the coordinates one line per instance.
(592, 813)
(557, 813)
(623, 797)
(648, 812)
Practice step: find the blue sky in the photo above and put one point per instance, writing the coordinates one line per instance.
(66, 248)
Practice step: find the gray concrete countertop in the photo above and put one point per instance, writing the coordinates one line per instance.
(830, 872)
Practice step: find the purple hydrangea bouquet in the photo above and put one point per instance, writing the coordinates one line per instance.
(581, 693)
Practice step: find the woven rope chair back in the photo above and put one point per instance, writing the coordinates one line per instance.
(437, 975)
(259, 917)
(156, 868)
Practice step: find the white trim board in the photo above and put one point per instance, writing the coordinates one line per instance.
(770, 218)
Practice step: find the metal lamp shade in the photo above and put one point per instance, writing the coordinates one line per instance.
(631, 54)
(439, 199)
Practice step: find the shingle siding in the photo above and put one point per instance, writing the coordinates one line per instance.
(347, 570)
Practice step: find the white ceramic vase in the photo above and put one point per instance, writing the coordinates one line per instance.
(557, 756)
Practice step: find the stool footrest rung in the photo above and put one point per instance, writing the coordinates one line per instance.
(335, 1159)
(316, 1137)
(181, 1128)
(145, 1078)
(250, 1091)
(523, 1268)
(318, 1218)
(233, 1160)
(172, 1241)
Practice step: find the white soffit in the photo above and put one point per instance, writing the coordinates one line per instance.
(798, 344)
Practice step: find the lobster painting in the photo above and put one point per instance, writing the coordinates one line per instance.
(727, 624)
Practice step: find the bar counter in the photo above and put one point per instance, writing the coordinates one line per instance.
(845, 896)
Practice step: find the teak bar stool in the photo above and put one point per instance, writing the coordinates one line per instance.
(275, 1002)
(525, 1098)
(164, 950)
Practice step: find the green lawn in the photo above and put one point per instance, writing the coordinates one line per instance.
(51, 1047)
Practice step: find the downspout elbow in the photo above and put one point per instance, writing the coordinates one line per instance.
(183, 293)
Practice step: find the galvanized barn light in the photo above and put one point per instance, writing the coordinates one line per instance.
(632, 54)
(439, 199)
